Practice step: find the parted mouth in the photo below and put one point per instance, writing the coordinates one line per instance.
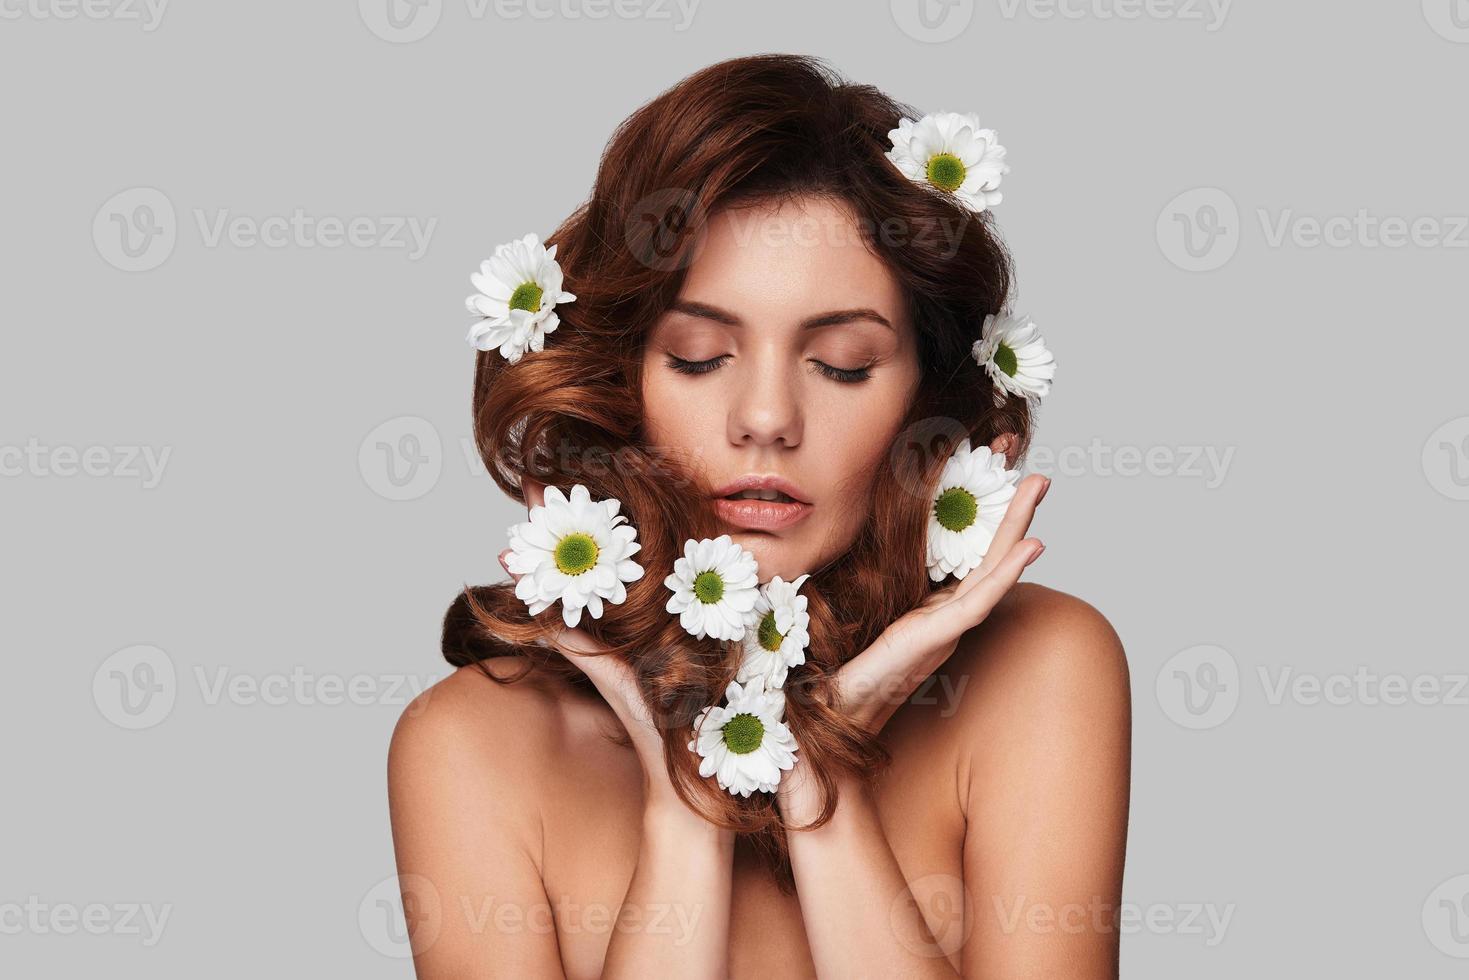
(762, 486)
(776, 495)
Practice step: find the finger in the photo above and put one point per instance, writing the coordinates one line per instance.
(1013, 527)
(572, 641)
(974, 605)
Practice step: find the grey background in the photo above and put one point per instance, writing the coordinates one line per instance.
(1331, 833)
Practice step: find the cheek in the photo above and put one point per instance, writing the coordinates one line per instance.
(667, 416)
(856, 436)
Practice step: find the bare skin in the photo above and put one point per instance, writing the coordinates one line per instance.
(531, 845)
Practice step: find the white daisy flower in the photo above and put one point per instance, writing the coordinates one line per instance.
(745, 743)
(519, 288)
(575, 551)
(973, 493)
(714, 588)
(777, 633)
(1011, 350)
(951, 153)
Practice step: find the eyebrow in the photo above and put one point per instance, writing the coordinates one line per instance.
(704, 311)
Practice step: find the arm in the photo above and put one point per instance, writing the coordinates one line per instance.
(1046, 794)
(1056, 758)
(683, 860)
(465, 806)
(466, 832)
(1044, 780)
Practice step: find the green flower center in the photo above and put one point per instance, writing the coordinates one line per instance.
(743, 733)
(709, 587)
(768, 635)
(1006, 360)
(576, 553)
(527, 296)
(956, 508)
(945, 172)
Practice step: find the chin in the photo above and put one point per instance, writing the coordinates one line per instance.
(775, 555)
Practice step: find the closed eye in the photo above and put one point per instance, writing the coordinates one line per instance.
(696, 367)
(844, 375)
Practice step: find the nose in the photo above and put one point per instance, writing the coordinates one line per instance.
(767, 406)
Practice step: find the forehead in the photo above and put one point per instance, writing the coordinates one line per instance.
(797, 256)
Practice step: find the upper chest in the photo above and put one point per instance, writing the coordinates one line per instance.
(591, 842)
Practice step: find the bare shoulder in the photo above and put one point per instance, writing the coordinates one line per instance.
(470, 712)
(468, 725)
(1045, 642)
(1045, 666)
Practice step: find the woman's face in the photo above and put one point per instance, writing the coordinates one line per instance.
(788, 359)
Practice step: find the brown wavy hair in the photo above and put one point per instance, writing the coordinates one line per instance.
(754, 129)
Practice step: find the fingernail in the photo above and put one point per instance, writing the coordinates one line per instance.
(1044, 490)
(1038, 552)
(503, 555)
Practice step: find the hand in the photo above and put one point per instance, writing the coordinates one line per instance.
(874, 683)
(611, 675)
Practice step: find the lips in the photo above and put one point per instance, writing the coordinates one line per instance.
(789, 507)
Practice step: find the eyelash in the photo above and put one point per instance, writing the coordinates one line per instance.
(843, 375)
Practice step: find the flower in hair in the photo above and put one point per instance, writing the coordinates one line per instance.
(778, 634)
(973, 493)
(576, 551)
(519, 289)
(949, 152)
(714, 588)
(1011, 350)
(745, 743)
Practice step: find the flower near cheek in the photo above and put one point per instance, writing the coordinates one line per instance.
(519, 289)
(745, 743)
(949, 152)
(973, 494)
(777, 633)
(576, 551)
(715, 585)
(1012, 352)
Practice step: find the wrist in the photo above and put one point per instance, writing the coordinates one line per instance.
(668, 818)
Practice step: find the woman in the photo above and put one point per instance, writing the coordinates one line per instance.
(780, 351)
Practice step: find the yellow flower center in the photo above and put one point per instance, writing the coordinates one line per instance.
(1006, 360)
(743, 734)
(709, 587)
(527, 296)
(576, 553)
(956, 509)
(768, 635)
(945, 172)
